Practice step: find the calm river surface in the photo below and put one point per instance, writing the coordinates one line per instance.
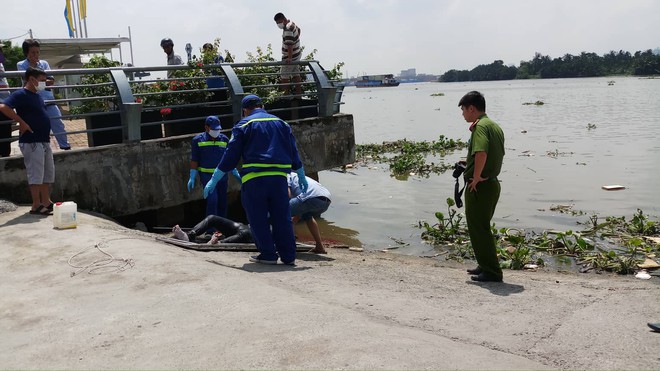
(369, 206)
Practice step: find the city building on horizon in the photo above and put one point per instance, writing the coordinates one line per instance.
(410, 73)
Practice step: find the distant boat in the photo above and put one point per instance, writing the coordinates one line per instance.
(376, 81)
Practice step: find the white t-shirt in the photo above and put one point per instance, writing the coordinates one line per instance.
(314, 188)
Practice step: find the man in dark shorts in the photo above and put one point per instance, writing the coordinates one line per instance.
(27, 107)
(229, 231)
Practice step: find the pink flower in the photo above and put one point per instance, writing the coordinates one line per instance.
(165, 112)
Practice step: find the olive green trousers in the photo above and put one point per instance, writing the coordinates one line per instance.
(479, 210)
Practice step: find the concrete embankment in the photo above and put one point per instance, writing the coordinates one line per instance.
(161, 307)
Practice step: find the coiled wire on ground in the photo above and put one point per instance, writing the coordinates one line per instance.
(105, 264)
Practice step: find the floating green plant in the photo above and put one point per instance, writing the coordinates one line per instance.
(615, 245)
(537, 103)
(407, 157)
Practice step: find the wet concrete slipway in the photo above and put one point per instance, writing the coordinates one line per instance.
(161, 307)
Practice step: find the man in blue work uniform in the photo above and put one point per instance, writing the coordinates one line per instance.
(207, 149)
(268, 149)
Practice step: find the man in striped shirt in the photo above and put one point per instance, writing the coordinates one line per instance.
(291, 51)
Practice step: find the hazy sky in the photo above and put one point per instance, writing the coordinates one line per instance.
(370, 36)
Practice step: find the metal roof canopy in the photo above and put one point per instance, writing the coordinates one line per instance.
(58, 51)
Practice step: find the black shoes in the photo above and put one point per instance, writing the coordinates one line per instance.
(476, 270)
(483, 277)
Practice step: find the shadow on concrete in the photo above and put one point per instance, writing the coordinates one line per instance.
(499, 288)
(311, 257)
(266, 268)
(260, 268)
(26, 218)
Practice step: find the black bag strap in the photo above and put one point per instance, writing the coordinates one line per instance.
(458, 194)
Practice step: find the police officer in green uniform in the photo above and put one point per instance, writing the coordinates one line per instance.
(484, 162)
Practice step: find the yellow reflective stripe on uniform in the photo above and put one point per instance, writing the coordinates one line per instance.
(206, 169)
(213, 143)
(279, 166)
(249, 176)
(264, 119)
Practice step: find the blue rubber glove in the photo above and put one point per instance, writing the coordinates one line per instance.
(302, 180)
(191, 181)
(210, 186)
(237, 175)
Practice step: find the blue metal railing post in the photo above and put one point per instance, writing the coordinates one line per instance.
(325, 89)
(236, 92)
(129, 111)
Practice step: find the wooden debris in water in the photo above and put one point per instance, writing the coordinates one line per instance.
(614, 187)
(648, 264)
(655, 240)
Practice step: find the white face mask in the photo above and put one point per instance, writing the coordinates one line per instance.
(281, 26)
(41, 86)
(214, 133)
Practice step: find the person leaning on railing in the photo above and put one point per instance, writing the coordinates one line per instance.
(173, 59)
(210, 56)
(32, 51)
(5, 128)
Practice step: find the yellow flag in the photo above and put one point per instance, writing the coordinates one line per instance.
(82, 7)
(69, 18)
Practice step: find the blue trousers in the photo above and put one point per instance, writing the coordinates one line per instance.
(57, 126)
(216, 203)
(266, 203)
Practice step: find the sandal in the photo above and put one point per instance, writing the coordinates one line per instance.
(51, 206)
(41, 210)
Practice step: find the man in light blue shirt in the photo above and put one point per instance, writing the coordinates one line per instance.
(32, 50)
(307, 205)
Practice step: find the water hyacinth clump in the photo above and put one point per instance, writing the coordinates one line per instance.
(407, 157)
(615, 245)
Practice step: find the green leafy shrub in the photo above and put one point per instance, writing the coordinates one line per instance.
(96, 105)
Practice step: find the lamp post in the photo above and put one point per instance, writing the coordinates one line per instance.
(189, 51)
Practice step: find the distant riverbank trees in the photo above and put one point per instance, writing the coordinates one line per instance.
(544, 67)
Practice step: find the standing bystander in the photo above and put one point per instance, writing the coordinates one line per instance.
(210, 56)
(206, 151)
(291, 51)
(268, 149)
(34, 138)
(484, 162)
(173, 59)
(5, 127)
(32, 51)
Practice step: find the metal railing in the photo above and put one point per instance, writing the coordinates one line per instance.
(139, 108)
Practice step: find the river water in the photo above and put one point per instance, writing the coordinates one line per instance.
(370, 208)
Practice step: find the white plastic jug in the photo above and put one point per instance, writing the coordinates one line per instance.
(65, 215)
